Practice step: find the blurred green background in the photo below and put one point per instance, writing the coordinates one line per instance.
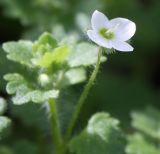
(126, 82)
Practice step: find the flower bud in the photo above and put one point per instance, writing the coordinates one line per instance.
(43, 79)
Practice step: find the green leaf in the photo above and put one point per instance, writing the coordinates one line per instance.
(74, 76)
(45, 43)
(84, 54)
(139, 145)
(47, 52)
(43, 96)
(102, 136)
(3, 105)
(57, 56)
(147, 121)
(15, 81)
(23, 93)
(20, 52)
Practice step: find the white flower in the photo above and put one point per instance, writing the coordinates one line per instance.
(111, 33)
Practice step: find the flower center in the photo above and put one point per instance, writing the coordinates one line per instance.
(106, 33)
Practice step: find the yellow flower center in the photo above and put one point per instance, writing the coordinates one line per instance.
(106, 33)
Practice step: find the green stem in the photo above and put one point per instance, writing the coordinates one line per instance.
(83, 97)
(56, 134)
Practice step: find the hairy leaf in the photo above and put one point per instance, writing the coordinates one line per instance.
(20, 51)
(139, 145)
(84, 54)
(148, 122)
(74, 76)
(23, 93)
(102, 136)
(15, 81)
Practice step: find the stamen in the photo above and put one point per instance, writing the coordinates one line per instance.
(106, 33)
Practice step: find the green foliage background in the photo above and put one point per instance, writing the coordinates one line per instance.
(127, 82)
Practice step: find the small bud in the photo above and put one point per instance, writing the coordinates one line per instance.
(43, 79)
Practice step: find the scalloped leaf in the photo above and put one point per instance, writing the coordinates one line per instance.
(84, 54)
(20, 52)
(147, 121)
(15, 81)
(102, 136)
(74, 76)
(23, 93)
(139, 145)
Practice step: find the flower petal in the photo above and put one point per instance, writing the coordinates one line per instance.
(122, 46)
(99, 20)
(98, 39)
(124, 28)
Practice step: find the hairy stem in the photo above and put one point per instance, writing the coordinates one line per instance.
(83, 97)
(56, 134)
